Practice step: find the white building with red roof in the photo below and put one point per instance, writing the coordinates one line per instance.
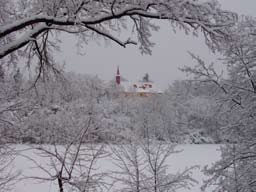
(145, 87)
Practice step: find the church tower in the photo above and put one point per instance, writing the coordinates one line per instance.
(118, 77)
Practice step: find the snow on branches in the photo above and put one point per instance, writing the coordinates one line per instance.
(27, 27)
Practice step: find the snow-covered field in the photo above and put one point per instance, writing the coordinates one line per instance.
(191, 155)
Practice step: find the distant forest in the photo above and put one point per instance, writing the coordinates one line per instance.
(55, 110)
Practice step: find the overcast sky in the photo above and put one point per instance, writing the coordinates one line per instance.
(169, 53)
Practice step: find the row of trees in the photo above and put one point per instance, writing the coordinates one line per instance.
(54, 112)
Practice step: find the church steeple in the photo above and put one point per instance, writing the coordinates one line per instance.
(118, 77)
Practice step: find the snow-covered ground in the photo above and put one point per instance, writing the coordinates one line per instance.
(191, 155)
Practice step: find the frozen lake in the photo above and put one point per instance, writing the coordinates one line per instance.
(191, 155)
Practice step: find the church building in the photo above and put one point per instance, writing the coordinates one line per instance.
(144, 87)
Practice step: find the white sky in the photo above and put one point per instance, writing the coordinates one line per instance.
(169, 53)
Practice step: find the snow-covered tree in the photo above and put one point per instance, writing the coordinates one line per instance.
(8, 176)
(73, 166)
(142, 167)
(31, 28)
(157, 154)
(235, 172)
(146, 78)
(194, 111)
(130, 162)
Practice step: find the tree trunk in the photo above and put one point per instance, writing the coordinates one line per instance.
(60, 183)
